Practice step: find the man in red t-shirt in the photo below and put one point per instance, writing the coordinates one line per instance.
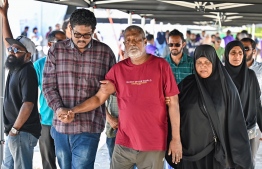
(141, 83)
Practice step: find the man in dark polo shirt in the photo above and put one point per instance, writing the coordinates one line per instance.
(20, 112)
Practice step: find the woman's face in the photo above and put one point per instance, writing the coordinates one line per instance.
(235, 56)
(203, 67)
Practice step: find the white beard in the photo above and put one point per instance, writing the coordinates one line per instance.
(134, 53)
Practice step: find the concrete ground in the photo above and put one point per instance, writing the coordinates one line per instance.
(102, 158)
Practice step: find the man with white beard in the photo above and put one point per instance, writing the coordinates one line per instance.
(141, 83)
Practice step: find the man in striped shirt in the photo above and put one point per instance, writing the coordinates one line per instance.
(72, 73)
(180, 63)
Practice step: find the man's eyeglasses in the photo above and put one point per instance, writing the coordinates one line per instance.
(79, 35)
(174, 44)
(15, 50)
(247, 48)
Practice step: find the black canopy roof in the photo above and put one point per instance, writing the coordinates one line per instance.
(190, 12)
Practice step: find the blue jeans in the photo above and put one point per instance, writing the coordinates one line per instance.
(75, 151)
(110, 143)
(19, 151)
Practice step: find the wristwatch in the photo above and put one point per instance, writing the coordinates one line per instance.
(14, 131)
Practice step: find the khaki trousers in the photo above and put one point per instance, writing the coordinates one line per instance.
(126, 158)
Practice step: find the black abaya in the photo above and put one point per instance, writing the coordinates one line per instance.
(209, 103)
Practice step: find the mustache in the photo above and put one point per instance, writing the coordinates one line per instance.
(81, 41)
(132, 48)
(11, 58)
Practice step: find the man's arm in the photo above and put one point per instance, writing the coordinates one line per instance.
(6, 27)
(23, 115)
(175, 147)
(50, 83)
(106, 89)
(92, 103)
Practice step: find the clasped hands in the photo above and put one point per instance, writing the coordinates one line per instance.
(65, 115)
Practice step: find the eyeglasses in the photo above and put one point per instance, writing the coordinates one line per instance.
(247, 48)
(174, 44)
(79, 35)
(15, 50)
(133, 41)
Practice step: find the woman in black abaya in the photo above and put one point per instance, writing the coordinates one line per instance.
(212, 127)
(248, 87)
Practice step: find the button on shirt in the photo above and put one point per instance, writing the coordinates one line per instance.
(71, 77)
(183, 69)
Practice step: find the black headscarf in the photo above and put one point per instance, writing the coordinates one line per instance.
(216, 97)
(247, 86)
(237, 73)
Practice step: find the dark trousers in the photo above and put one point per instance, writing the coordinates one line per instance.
(47, 148)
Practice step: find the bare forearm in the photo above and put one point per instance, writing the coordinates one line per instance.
(91, 103)
(23, 115)
(174, 115)
(6, 30)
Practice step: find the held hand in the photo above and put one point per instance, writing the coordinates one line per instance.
(167, 99)
(69, 117)
(175, 149)
(65, 115)
(107, 87)
(4, 8)
(113, 122)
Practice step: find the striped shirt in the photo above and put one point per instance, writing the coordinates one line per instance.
(183, 69)
(71, 77)
(112, 108)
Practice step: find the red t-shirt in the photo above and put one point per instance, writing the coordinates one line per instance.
(141, 91)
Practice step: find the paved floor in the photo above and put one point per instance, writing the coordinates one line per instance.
(102, 158)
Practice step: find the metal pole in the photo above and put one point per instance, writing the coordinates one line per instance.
(152, 23)
(130, 21)
(143, 22)
(2, 84)
(253, 31)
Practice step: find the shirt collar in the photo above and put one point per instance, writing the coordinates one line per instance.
(253, 64)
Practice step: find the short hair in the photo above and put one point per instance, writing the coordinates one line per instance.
(83, 17)
(188, 32)
(213, 35)
(51, 36)
(35, 28)
(218, 38)
(64, 26)
(26, 27)
(253, 43)
(149, 37)
(176, 32)
(136, 28)
(244, 32)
